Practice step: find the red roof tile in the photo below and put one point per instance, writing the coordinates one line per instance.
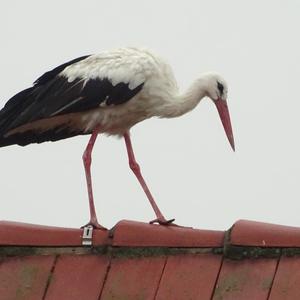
(135, 278)
(72, 271)
(247, 279)
(287, 280)
(135, 260)
(187, 276)
(24, 277)
(13, 233)
(250, 233)
(129, 233)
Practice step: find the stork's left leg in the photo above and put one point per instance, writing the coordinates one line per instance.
(137, 172)
(87, 161)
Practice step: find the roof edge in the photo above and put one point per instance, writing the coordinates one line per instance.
(126, 233)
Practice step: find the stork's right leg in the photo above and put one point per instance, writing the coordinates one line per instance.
(87, 160)
(137, 172)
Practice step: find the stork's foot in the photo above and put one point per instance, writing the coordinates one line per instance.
(95, 225)
(163, 221)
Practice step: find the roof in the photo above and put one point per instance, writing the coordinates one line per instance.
(134, 260)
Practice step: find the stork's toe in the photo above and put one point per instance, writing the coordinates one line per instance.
(163, 221)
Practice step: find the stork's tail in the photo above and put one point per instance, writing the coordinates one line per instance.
(12, 131)
(36, 136)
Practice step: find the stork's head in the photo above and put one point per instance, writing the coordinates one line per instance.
(216, 90)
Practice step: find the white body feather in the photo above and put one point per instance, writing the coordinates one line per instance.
(133, 66)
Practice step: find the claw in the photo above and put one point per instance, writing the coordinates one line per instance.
(163, 221)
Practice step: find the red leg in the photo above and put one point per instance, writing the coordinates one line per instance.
(134, 166)
(87, 160)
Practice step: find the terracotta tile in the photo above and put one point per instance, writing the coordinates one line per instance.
(250, 233)
(24, 277)
(246, 279)
(190, 276)
(287, 280)
(133, 278)
(78, 277)
(13, 233)
(129, 233)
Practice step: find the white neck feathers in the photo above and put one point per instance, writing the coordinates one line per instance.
(181, 104)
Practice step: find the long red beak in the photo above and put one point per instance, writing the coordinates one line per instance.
(223, 110)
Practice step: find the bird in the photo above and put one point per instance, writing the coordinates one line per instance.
(106, 93)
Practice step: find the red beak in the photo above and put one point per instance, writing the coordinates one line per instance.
(223, 110)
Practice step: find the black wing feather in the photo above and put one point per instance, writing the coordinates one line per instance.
(32, 136)
(22, 100)
(53, 95)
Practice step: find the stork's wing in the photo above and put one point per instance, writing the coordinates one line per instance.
(55, 93)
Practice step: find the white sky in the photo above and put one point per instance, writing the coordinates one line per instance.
(187, 161)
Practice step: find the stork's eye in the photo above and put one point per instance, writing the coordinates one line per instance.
(220, 88)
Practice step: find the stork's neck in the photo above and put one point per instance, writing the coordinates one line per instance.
(183, 103)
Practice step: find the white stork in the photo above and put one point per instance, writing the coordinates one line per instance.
(106, 93)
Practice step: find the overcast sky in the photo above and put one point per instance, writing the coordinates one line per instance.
(187, 161)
